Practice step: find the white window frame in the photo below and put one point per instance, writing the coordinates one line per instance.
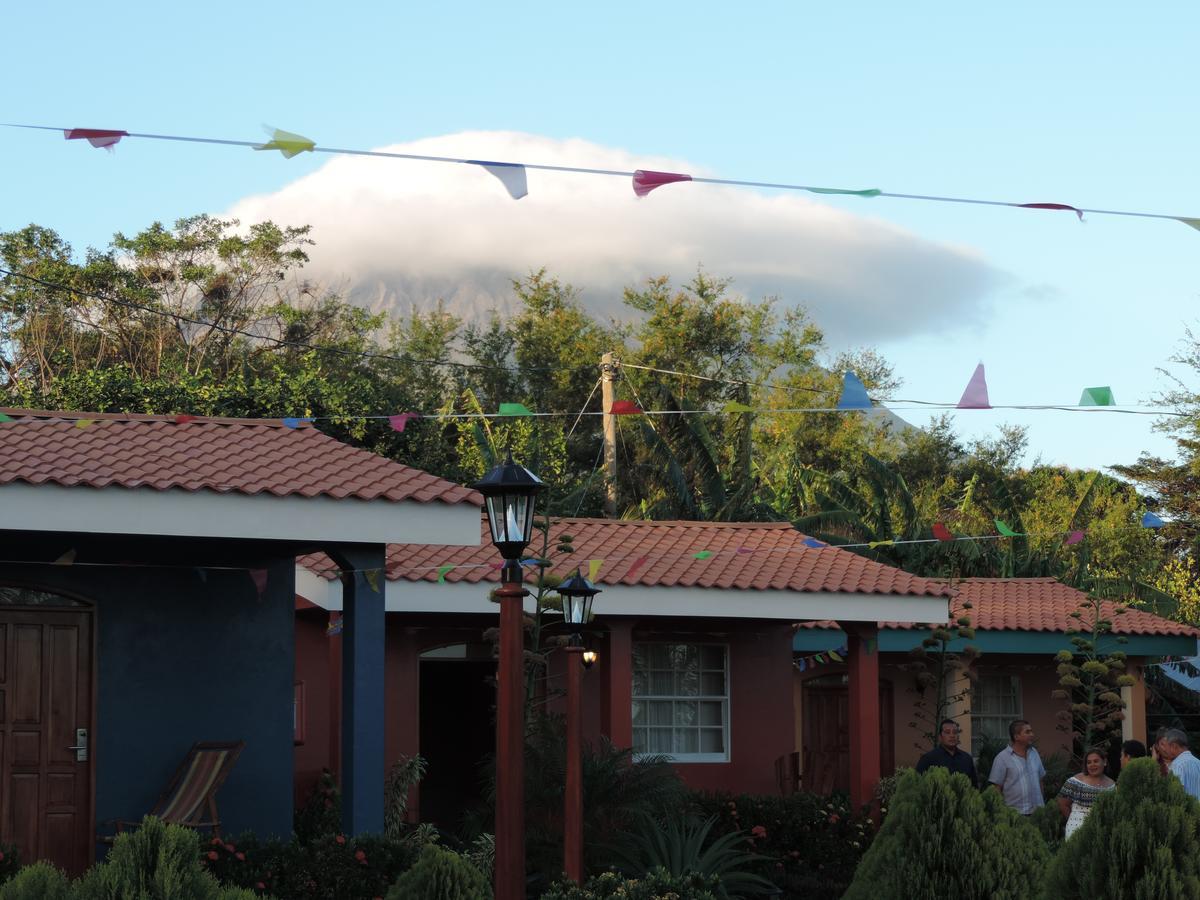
(724, 699)
(979, 714)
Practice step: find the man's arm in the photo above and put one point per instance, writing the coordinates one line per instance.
(998, 773)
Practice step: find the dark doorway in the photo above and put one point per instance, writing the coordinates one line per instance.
(457, 733)
(826, 733)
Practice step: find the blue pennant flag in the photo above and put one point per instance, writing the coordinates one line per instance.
(1150, 520)
(854, 394)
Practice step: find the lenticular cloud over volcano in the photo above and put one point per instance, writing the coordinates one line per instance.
(394, 234)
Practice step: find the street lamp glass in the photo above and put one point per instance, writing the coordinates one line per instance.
(510, 493)
(577, 594)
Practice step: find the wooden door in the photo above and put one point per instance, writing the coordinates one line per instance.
(825, 732)
(45, 696)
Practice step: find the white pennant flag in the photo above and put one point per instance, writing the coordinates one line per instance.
(511, 175)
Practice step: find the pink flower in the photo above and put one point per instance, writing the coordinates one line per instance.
(360, 856)
(758, 831)
(212, 854)
(241, 857)
(341, 839)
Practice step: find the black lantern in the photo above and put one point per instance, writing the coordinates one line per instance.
(589, 658)
(577, 594)
(510, 491)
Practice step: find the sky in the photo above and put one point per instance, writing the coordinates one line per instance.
(1087, 104)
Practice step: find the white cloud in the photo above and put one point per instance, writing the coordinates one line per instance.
(391, 234)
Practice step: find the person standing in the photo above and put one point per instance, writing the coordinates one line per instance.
(1081, 791)
(1132, 750)
(1183, 765)
(1017, 771)
(946, 754)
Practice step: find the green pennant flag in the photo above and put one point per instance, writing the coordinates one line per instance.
(819, 658)
(514, 409)
(1097, 396)
(703, 554)
(287, 143)
(873, 544)
(1005, 530)
(869, 192)
(734, 407)
(442, 570)
(870, 645)
(372, 577)
(4, 418)
(1194, 223)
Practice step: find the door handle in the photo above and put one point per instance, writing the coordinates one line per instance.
(81, 745)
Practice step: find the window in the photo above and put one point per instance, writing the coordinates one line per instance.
(681, 701)
(995, 701)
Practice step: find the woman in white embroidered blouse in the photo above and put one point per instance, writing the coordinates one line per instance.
(1082, 790)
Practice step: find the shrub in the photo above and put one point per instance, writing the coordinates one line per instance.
(943, 838)
(1048, 821)
(321, 814)
(1138, 842)
(405, 773)
(655, 885)
(155, 862)
(40, 881)
(10, 861)
(441, 874)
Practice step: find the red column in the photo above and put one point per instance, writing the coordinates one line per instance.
(618, 684)
(573, 801)
(510, 747)
(862, 646)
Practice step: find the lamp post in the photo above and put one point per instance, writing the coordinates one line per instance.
(510, 495)
(577, 594)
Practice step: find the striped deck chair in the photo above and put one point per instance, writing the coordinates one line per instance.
(191, 797)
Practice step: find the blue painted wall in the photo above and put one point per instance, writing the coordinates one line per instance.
(182, 659)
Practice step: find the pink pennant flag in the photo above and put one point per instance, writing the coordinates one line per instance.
(97, 137)
(183, 420)
(401, 419)
(646, 180)
(1078, 212)
(1074, 538)
(259, 577)
(741, 550)
(941, 532)
(976, 394)
(636, 566)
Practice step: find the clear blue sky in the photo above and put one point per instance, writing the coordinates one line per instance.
(1089, 104)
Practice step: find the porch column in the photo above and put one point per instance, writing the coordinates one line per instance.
(1133, 726)
(862, 647)
(618, 684)
(363, 709)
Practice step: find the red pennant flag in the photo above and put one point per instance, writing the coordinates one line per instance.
(646, 180)
(636, 566)
(625, 408)
(399, 420)
(941, 532)
(1078, 212)
(259, 577)
(183, 420)
(97, 137)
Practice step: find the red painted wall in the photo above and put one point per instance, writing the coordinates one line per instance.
(313, 670)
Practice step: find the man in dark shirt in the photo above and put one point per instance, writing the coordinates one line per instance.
(947, 755)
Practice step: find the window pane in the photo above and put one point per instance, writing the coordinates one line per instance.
(685, 713)
(687, 684)
(711, 713)
(660, 740)
(639, 712)
(712, 740)
(662, 684)
(685, 657)
(660, 712)
(639, 682)
(658, 656)
(687, 740)
(712, 684)
(712, 657)
(639, 740)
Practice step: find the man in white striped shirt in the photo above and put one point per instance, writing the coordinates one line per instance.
(1184, 765)
(1017, 771)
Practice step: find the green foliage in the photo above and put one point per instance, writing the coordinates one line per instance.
(655, 885)
(943, 838)
(441, 874)
(321, 814)
(156, 861)
(404, 775)
(40, 881)
(1091, 678)
(1048, 820)
(1139, 842)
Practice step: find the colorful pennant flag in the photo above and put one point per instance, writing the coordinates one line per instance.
(646, 180)
(4, 418)
(1097, 396)
(287, 143)
(854, 393)
(741, 550)
(871, 545)
(97, 137)
(813, 542)
(296, 421)
(334, 628)
(734, 407)
(594, 568)
(514, 409)
(399, 420)
(67, 559)
(870, 645)
(869, 192)
(976, 394)
(1005, 530)
(259, 577)
(511, 175)
(184, 419)
(442, 570)
(372, 578)
(1063, 206)
(625, 408)
(833, 654)
(941, 532)
(1074, 538)
(636, 566)
(703, 554)
(1194, 223)
(84, 423)
(1150, 520)
(801, 664)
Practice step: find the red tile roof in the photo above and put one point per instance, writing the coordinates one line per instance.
(746, 556)
(1036, 604)
(245, 456)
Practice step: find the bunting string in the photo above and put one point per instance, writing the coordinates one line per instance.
(512, 175)
(804, 663)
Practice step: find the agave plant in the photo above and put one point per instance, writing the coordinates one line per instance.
(681, 846)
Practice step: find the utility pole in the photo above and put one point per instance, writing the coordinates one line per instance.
(610, 368)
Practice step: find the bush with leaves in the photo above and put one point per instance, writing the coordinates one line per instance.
(1139, 842)
(321, 814)
(655, 885)
(441, 874)
(403, 776)
(943, 838)
(40, 881)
